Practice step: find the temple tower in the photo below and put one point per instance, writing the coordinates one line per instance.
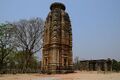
(57, 41)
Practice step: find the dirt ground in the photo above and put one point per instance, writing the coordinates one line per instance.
(71, 76)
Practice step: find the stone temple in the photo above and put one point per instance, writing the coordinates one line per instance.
(96, 65)
(57, 41)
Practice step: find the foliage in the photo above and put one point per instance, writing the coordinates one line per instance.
(6, 44)
(19, 42)
(115, 65)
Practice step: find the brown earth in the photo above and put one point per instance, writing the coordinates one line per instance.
(71, 76)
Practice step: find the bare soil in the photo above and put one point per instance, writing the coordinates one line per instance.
(70, 76)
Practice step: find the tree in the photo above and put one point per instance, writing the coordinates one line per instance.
(115, 65)
(6, 44)
(28, 37)
(19, 60)
(77, 63)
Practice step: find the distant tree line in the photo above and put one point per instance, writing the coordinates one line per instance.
(19, 43)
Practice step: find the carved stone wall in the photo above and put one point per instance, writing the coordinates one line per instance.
(57, 42)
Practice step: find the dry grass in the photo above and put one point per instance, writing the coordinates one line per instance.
(71, 76)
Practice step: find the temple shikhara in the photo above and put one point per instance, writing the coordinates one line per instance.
(57, 41)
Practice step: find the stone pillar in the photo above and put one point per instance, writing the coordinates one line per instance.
(105, 66)
(87, 63)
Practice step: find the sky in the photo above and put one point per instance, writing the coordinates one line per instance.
(95, 23)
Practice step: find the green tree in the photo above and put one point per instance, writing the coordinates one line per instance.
(115, 65)
(6, 45)
(19, 59)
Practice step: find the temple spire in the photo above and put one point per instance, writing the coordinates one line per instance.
(57, 5)
(57, 41)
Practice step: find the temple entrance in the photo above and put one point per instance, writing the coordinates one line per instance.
(65, 62)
